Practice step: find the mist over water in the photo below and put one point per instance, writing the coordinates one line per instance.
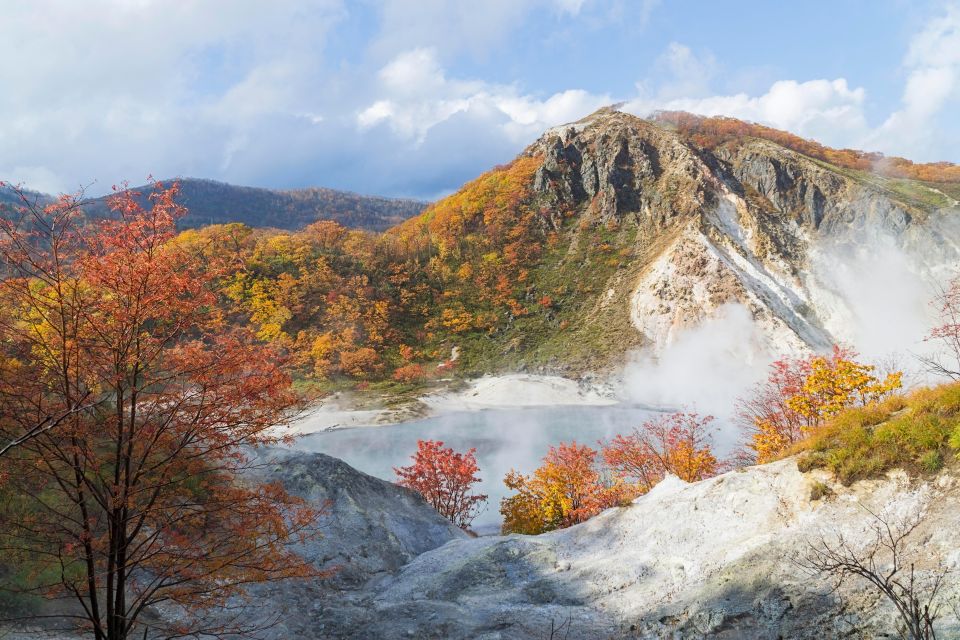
(704, 370)
(505, 439)
(873, 296)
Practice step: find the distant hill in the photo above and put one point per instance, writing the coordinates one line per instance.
(211, 202)
(9, 198)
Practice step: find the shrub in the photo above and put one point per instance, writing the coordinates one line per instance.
(409, 373)
(916, 433)
(931, 461)
(800, 394)
(678, 444)
(566, 489)
(445, 479)
(820, 490)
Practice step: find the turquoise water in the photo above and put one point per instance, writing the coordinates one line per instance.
(504, 439)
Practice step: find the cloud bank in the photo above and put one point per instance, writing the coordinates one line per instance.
(397, 102)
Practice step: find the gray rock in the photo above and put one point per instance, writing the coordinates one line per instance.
(370, 527)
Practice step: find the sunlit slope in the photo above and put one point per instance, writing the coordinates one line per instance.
(605, 235)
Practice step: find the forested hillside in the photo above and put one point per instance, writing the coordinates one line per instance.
(613, 233)
(604, 235)
(210, 202)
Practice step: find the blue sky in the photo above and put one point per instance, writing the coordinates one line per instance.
(414, 97)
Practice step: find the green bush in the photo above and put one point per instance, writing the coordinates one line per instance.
(931, 461)
(918, 432)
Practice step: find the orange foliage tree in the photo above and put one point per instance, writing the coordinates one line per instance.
(409, 373)
(800, 393)
(678, 444)
(347, 303)
(133, 500)
(710, 132)
(445, 479)
(566, 489)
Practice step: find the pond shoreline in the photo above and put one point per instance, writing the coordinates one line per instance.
(508, 391)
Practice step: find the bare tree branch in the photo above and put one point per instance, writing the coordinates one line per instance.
(885, 563)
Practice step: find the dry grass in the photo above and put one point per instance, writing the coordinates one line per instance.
(918, 432)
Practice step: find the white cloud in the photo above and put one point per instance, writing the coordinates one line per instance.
(122, 89)
(413, 72)
(831, 111)
(247, 92)
(690, 74)
(573, 7)
(416, 96)
(933, 63)
(452, 26)
(828, 110)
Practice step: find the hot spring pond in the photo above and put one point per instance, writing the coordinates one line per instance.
(504, 439)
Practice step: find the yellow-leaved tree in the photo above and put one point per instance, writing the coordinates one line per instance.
(800, 393)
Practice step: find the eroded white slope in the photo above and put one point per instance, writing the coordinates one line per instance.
(871, 292)
(711, 559)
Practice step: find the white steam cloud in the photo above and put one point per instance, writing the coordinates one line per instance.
(704, 369)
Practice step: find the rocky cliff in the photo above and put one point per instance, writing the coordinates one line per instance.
(751, 223)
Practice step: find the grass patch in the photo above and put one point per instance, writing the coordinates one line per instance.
(919, 433)
(911, 193)
(820, 490)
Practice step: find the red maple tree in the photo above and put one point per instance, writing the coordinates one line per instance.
(677, 444)
(137, 498)
(445, 479)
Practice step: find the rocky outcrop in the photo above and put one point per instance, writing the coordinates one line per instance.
(369, 530)
(715, 559)
(619, 166)
(742, 224)
(369, 527)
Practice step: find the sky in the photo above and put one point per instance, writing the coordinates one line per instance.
(412, 98)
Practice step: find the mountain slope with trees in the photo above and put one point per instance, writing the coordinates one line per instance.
(605, 235)
(211, 202)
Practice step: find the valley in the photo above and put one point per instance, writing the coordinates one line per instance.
(459, 320)
(619, 271)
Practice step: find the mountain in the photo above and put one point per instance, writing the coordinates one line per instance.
(609, 235)
(210, 202)
(740, 219)
(9, 198)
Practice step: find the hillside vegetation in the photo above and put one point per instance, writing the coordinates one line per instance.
(918, 432)
(603, 236)
(491, 270)
(713, 132)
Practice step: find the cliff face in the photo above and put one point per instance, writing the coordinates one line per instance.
(740, 223)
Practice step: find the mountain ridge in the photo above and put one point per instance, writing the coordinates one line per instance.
(604, 238)
(215, 202)
(749, 218)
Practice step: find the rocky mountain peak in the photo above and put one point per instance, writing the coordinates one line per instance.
(735, 222)
(619, 165)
